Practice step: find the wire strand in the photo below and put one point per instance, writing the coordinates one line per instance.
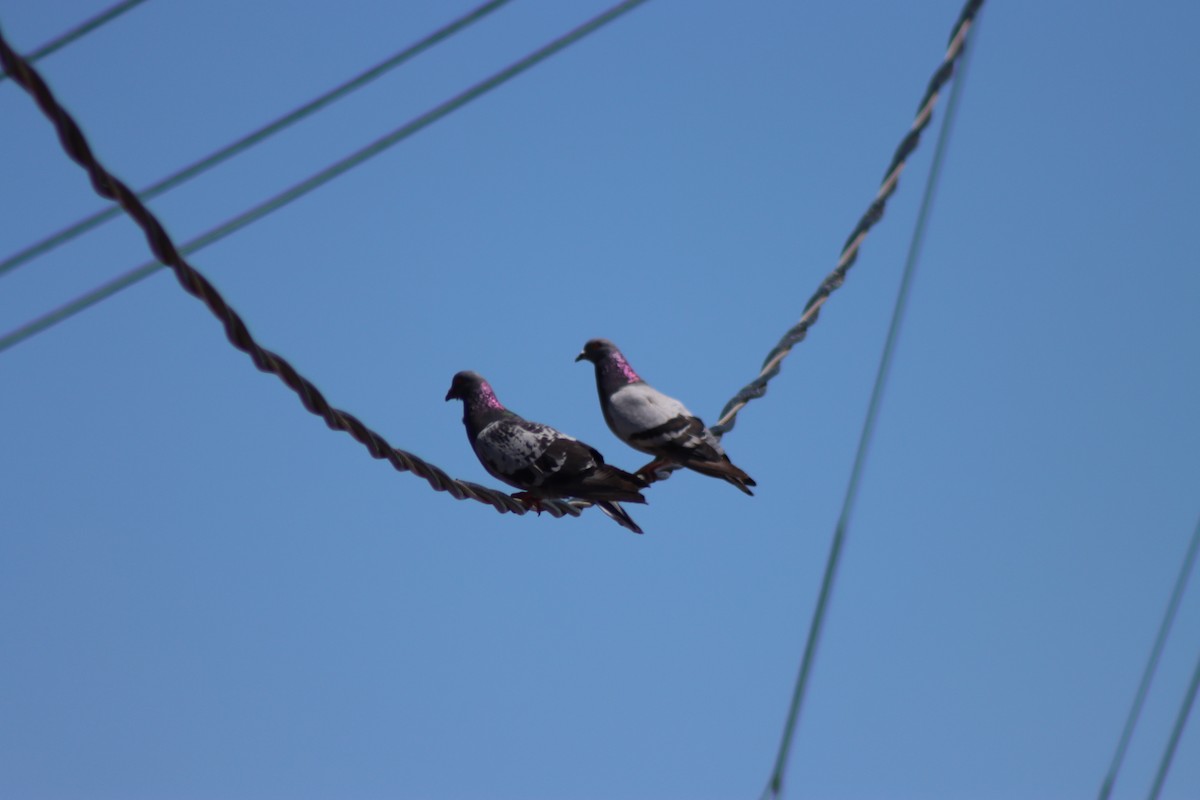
(1185, 709)
(139, 273)
(104, 183)
(254, 137)
(816, 626)
(891, 178)
(83, 28)
(1160, 641)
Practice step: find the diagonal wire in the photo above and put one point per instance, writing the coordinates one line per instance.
(1185, 709)
(796, 334)
(76, 146)
(812, 309)
(1164, 630)
(254, 137)
(143, 271)
(775, 783)
(83, 28)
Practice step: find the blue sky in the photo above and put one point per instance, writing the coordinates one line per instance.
(206, 593)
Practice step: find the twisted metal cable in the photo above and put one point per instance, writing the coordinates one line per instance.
(774, 786)
(106, 185)
(185, 174)
(812, 310)
(87, 26)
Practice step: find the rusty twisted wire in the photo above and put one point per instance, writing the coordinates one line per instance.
(106, 185)
(812, 310)
(80, 30)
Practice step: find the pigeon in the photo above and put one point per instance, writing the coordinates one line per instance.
(648, 420)
(541, 461)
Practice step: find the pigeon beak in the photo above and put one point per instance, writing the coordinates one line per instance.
(580, 357)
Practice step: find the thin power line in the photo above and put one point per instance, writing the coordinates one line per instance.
(52, 318)
(105, 184)
(775, 783)
(249, 140)
(1160, 641)
(1185, 709)
(85, 27)
(812, 309)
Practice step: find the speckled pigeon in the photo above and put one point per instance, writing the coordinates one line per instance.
(647, 420)
(542, 462)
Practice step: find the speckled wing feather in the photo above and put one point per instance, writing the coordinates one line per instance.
(540, 459)
(519, 452)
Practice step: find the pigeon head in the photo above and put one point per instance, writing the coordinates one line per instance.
(472, 389)
(480, 405)
(597, 349)
(611, 367)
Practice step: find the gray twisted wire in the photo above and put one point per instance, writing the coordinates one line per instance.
(774, 787)
(106, 185)
(812, 310)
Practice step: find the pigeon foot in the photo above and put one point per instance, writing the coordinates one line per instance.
(531, 501)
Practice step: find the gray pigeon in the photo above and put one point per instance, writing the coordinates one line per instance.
(647, 420)
(536, 458)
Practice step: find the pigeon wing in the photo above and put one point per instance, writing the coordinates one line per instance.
(521, 453)
(652, 422)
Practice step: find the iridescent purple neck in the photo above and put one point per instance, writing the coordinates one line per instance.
(623, 366)
(616, 365)
(485, 398)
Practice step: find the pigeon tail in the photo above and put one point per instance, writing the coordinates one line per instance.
(610, 483)
(618, 515)
(725, 470)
